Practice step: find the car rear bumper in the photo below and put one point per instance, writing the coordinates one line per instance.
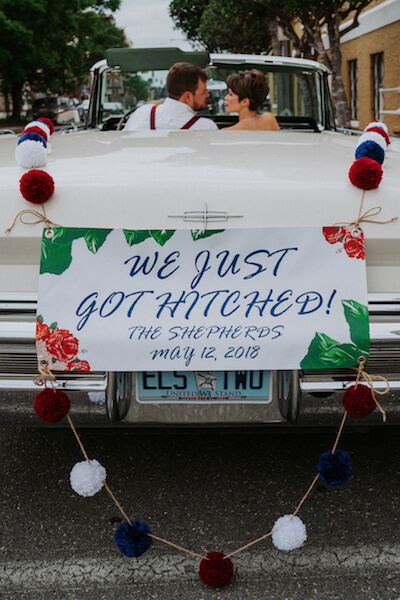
(296, 396)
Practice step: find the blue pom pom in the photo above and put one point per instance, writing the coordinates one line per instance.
(335, 469)
(372, 150)
(133, 540)
(32, 136)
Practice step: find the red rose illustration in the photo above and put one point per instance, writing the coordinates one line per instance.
(42, 331)
(79, 365)
(333, 234)
(354, 246)
(62, 345)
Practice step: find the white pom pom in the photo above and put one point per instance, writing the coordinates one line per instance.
(86, 480)
(377, 124)
(373, 136)
(41, 126)
(30, 154)
(288, 533)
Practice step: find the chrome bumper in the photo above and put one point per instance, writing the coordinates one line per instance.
(18, 366)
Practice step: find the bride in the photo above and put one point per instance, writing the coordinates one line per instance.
(247, 91)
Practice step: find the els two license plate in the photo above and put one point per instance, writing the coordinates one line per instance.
(204, 386)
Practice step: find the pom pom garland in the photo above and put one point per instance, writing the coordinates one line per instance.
(217, 571)
(35, 137)
(371, 150)
(87, 479)
(36, 186)
(41, 126)
(376, 124)
(365, 173)
(133, 540)
(335, 469)
(38, 130)
(381, 132)
(288, 533)
(51, 405)
(372, 137)
(31, 153)
(49, 123)
(358, 401)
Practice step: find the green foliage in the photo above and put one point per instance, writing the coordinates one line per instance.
(326, 353)
(139, 87)
(233, 25)
(51, 45)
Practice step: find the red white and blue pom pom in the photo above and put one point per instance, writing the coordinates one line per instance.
(36, 186)
(372, 150)
(216, 571)
(358, 401)
(43, 126)
(372, 136)
(52, 405)
(87, 479)
(49, 123)
(365, 173)
(288, 533)
(34, 129)
(335, 469)
(132, 539)
(376, 124)
(31, 151)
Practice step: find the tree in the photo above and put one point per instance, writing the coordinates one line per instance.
(51, 45)
(240, 25)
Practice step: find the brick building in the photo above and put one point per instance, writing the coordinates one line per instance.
(371, 66)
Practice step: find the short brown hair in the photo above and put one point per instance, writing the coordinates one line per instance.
(184, 77)
(249, 84)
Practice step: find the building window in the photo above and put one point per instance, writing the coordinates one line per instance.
(353, 90)
(377, 69)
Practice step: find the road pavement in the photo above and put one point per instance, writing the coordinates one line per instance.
(204, 491)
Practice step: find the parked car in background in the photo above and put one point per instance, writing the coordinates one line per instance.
(106, 177)
(58, 109)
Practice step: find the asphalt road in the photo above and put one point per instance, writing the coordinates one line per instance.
(214, 491)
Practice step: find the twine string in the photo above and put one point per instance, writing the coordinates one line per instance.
(38, 218)
(78, 439)
(248, 545)
(300, 504)
(361, 372)
(366, 216)
(44, 375)
(335, 445)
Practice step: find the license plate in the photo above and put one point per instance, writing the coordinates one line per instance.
(204, 386)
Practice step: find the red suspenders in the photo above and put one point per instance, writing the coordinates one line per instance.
(187, 125)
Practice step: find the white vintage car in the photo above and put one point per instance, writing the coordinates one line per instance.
(163, 180)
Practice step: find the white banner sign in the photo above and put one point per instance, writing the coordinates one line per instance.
(236, 299)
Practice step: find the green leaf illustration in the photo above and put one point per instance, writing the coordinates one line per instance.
(162, 235)
(198, 234)
(134, 236)
(40, 318)
(53, 325)
(356, 315)
(56, 252)
(95, 238)
(316, 350)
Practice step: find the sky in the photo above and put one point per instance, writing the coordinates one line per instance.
(147, 23)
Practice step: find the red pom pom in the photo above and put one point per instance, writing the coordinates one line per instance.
(358, 401)
(48, 122)
(216, 571)
(36, 186)
(37, 130)
(51, 405)
(381, 131)
(365, 173)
